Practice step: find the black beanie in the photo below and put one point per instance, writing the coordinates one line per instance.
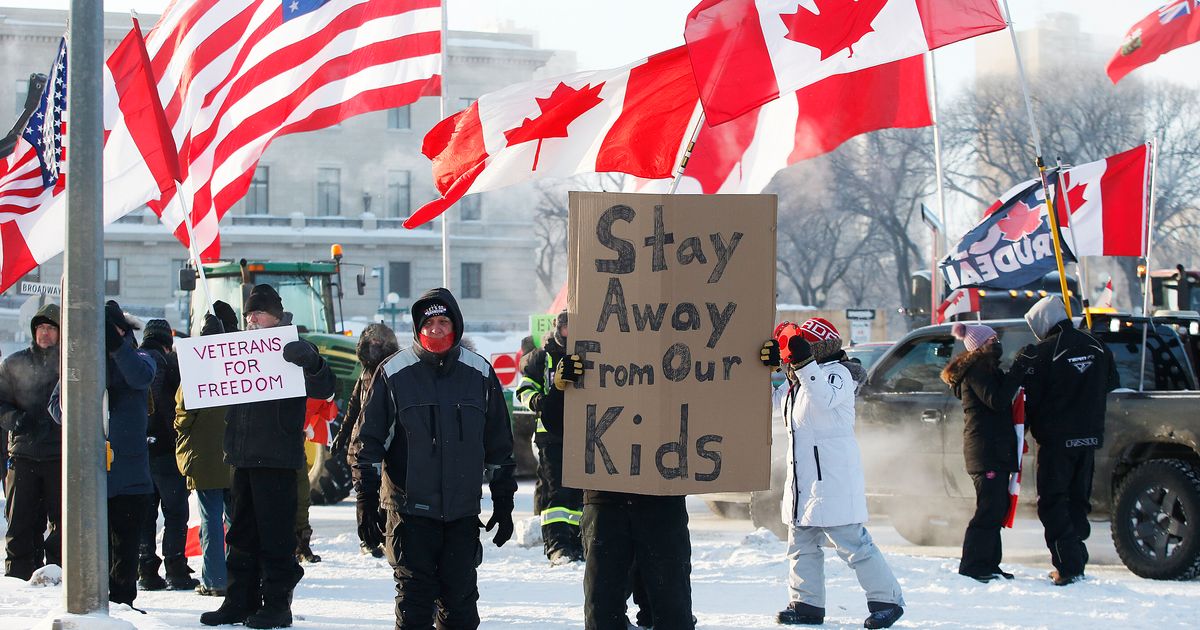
(158, 330)
(559, 322)
(432, 308)
(264, 298)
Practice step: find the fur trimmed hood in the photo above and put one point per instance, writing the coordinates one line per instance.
(954, 371)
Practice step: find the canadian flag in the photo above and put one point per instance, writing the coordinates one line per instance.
(743, 155)
(1106, 296)
(958, 302)
(1014, 479)
(1107, 204)
(749, 52)
(632, 120)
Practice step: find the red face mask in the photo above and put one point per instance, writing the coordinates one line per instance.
(437, 345)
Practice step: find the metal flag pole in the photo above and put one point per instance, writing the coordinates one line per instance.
(187, 221)
(687, 154)
(1081, 272)
(1041, 165)
(936, 286)
(84, 482)
(1146, 281)
(442, 116)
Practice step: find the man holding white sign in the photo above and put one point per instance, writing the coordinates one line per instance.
(264, 442)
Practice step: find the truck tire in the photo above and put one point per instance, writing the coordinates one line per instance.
(329, 477)
(932, 530)
(729, 509)
(764, 512)
(1154, 520)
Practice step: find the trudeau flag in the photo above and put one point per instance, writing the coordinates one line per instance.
(1175, 24)
(743, 155)
(749, 52)
(631, 120)
(1107, 204)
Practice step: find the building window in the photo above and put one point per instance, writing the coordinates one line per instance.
(112, 276)
(400, 118)
(399, 193)
(470, 208)
(329, 192)
(22, 94)
(472, 280)
(257, 199)
(400, 279)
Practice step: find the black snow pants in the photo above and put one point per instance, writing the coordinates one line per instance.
(33, 497)
(651, 532)
(982, 550)
(561, 507)
(171, 494)
(434, 564)
(261, 541)
(126, 513)
(1064, 487)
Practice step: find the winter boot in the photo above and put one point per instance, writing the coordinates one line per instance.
(179, 574)
(883, 615)
(367, 550)
(1062, 579)
(210, 591)
(304, 552)
(801, 614)
(275, 613)
(226, 615)
(148, 577)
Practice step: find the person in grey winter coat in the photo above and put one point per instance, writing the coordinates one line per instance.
(375, 345)
(824, 500)
(33, 487)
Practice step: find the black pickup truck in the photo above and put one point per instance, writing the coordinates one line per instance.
(1147, 478)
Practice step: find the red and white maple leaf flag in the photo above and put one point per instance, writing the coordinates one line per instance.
(959, 301)
(1108, 204)
(632, 120)
(749, 52)
(1014, 479)
(1106, 296)
(743, 155)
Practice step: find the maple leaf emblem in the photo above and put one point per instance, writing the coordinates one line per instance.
(1074, 201)
(838, 26)
(1021, 221)
(559, 110)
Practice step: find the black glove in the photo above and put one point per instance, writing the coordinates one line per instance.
(502, 516)
(801, 351)
(303, 354)
(370, 520)
(224, 312)
(115, 326)
(770, 354)
(568, 371)
(212, 325)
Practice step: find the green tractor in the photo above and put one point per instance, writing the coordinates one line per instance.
(309, 292)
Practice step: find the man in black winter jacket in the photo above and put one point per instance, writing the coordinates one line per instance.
(264, 442)
(434, 420)
(1067, 376)
(540, 390)
(34, 484)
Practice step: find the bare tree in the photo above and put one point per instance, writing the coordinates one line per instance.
(550, 223)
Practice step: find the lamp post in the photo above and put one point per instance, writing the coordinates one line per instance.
(393, 299)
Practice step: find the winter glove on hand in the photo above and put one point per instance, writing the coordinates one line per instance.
(212, 325)
(303, 354)
(370, 519)
(770, 354)
(567, 372)
(502, 516)
(801, 351)
(224, 312)
(115, 326)
(112, 338)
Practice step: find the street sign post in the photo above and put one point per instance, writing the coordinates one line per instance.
(505, 366)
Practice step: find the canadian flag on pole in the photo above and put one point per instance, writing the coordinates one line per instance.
(1107, 200)
(743, 155)
(632, 120)
(1106, 296)
(1014, 479)
(749, 52)
(958, 302)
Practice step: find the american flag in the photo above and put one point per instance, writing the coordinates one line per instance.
(34, 170)
(235, 74)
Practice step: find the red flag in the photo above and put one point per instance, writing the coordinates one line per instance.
(630, 120)
(1108, 204)
(1014, 479)
(142, 110)
(317, 414)
(749, 52)
(1175, 24)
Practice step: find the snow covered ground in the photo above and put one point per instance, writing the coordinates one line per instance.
(737, 583)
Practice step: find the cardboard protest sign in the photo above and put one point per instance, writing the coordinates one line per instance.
(671, 297)
(239, 367)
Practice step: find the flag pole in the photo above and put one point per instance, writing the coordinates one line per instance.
(1081, 272)
(687, 154)
(1041, 165)
(940, 175)
(187, 221)
(1149, 241)
(442, 116)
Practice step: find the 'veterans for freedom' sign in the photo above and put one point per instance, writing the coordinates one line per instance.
(671, 297)
(238, 367)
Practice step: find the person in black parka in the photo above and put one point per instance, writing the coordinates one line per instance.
(989, 445)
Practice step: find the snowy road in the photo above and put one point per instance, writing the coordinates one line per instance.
(737, 582)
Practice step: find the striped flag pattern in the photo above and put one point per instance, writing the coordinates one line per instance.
(235, 74)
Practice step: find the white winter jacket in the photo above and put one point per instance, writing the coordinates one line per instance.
(825, 478)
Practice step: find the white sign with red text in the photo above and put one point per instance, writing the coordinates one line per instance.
(238, 367)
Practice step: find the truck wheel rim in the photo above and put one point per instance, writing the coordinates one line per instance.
(1159, 522)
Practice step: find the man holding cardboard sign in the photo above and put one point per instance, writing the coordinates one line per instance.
(667, 293)
(264, 442)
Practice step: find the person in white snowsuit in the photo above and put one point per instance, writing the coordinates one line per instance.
(824, 500)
